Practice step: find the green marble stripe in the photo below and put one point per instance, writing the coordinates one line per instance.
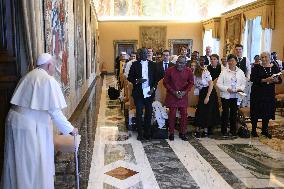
(169, 171)
(224, 172)
(258, 163)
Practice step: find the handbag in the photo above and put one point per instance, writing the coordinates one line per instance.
(243, 131)
(159, 133)
(113, 93)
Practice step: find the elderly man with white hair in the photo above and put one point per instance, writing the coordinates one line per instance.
(29, 148)
(208, 52)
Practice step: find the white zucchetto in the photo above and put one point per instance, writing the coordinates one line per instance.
(43, 59)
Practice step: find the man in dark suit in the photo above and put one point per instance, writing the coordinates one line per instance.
(208, 52)
(164, 65)
(142, 76)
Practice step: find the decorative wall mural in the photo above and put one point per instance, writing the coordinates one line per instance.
(153, 37)
(88, 30)
(165, 9)
(93, 42)
(57, 43)
(79, 46)
(121, 8)
(232, 33)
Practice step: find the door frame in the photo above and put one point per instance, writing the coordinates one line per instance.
(123, 42)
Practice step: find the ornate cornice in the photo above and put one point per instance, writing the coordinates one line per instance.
(250, 6)
(212, 20)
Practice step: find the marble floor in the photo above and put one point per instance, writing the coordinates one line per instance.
(119, 161)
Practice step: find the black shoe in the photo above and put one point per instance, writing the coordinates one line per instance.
(234, 134)
(225, 134)
(197, 135)
(267, 134)
(204, 134)
(171, 137)
(147, 137)
(254, 134)
(184, 137)
(140, 137)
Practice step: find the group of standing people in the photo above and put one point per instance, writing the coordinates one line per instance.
(230, 76)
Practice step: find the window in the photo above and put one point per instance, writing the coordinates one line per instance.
(208, 40)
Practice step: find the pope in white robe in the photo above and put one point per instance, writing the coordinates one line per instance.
(29, 148)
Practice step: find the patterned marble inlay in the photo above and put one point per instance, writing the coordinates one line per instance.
(113, 112)
(258, 163)
(115, 118)
(108, 186)
(139, 185)
(121, 136)
(121, 173)
(113, 102)
(119, 152)
(168, 169)
(227, 175)
(113, 106)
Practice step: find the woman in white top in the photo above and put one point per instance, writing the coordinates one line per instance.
(231, 81)
(207, 112)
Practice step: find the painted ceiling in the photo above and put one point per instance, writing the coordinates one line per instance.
(187, 10)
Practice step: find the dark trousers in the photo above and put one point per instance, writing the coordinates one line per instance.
(229, 112)
(140, 103)
(265, 122)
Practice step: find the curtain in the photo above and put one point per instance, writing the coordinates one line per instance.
(32, 23)
(256, 38)
(268, 17)
(252, 38)
(266, 40)
(245, 40)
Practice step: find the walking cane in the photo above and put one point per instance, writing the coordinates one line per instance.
(77, 176)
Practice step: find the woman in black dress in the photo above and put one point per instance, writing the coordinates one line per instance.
(262, 97)
(207, 112)
(215, 67)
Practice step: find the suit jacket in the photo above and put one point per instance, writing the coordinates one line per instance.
(160, 69)
(207, 61)
(136, 73)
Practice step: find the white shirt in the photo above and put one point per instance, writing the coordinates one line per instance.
(164, 65)
(208, 57)
(226, 80)
(202, 81)
(145, 85)
(248, 66)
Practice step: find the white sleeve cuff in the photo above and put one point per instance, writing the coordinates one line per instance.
(60, 121)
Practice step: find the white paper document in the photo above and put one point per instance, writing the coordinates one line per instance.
(242, 94)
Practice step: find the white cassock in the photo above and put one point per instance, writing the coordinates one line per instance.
(29, 148)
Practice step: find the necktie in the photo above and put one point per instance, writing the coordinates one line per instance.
(166, 65)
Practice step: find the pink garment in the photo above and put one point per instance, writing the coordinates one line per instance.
(183, 119)
(175, 80)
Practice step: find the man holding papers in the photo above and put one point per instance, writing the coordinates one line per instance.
(142, 76)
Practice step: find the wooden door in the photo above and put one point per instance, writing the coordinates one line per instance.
(8, 63)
